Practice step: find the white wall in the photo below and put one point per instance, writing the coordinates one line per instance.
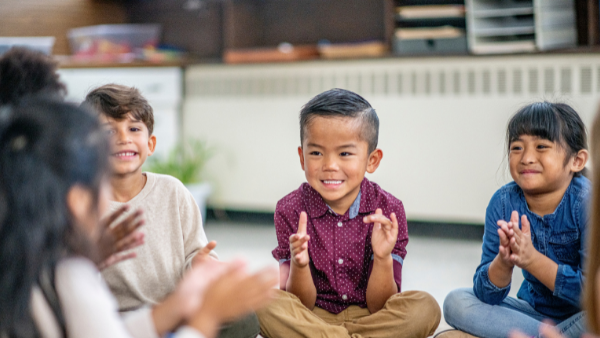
(442, 128)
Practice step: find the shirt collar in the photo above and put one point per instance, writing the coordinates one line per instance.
(353, 211)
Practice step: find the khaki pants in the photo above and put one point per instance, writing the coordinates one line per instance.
(411, 314)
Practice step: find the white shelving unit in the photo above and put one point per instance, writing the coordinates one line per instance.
(517, 26)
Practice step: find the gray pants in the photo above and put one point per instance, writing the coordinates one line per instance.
(246, 327)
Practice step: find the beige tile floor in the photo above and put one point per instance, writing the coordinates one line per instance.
(432, 264)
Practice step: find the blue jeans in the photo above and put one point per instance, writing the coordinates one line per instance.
(465, 312)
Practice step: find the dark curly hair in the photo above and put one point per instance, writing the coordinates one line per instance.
(24, 73)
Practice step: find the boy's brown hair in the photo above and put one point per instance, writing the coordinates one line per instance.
(116, 101)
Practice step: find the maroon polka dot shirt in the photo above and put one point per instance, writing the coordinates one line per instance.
(341, 256)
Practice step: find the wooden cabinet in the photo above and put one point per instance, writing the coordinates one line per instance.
(208, 28)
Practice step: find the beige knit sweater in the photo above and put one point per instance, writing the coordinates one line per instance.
(173, 233)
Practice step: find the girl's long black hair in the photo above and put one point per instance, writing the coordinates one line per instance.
(557, 122)
(46, 147)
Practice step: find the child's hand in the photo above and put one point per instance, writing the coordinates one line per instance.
(183, 303)
(191, 290)
(114, 240)
(385, 233)
(505, 233)
(299, 244)
(523, 251)
(233, 295)
(204, 254)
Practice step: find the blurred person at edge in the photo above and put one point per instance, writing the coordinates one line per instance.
(53, 187)
(25, 73)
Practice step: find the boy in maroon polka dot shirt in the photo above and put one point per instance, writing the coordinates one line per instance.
(341, 238)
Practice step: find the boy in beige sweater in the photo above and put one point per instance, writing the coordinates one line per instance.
(173, 233)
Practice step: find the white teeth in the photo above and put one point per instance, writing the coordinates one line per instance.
(332, 182)
(125, 154)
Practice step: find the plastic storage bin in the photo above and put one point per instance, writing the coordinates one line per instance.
(113, 41)
(431, 46)
(43, 44)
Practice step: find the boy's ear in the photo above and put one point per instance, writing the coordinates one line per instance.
(301, 154)
(151, 144)
(374, 160)
(579, 160)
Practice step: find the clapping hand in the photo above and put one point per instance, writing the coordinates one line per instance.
(115, 239)
(505, 233)
(521, 246)
(204, 253)
(299, 244)
(385, 233)
(231, 295)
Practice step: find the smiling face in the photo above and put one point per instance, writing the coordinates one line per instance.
(130, 142)
(538, 166)
(335, 158)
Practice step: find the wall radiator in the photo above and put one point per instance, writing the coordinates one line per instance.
(443, 122)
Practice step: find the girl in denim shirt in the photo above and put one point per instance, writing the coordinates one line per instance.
(537, 222)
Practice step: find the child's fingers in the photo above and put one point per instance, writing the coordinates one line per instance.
(394, 220)
(514, 217)
(205, 251)
(131, 241)
(514, 246)
(300, 242)
(547, 330)
(503, 238)
(209, 247)
(377, 218)
(504, 253)
(295, 237)
(517, 334)
(256, 289)
(525, 226)
(504, 226)
(114, 259)
(302, 224)
(113, 217)
(135, 221)
(516, 230)
(128, 225)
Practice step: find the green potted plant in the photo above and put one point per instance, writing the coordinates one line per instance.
(186, 162)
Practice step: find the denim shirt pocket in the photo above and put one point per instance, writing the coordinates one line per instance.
(565, 246)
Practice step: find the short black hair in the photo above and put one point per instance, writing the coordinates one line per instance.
(342, 103)
(25, 73)
(556, 122)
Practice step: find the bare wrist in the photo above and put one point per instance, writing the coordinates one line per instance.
(205, 323)
(502, 264)
(387, 259)
(534, 257)
(298, 266)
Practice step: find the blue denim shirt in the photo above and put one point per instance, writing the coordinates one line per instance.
(559, 236)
